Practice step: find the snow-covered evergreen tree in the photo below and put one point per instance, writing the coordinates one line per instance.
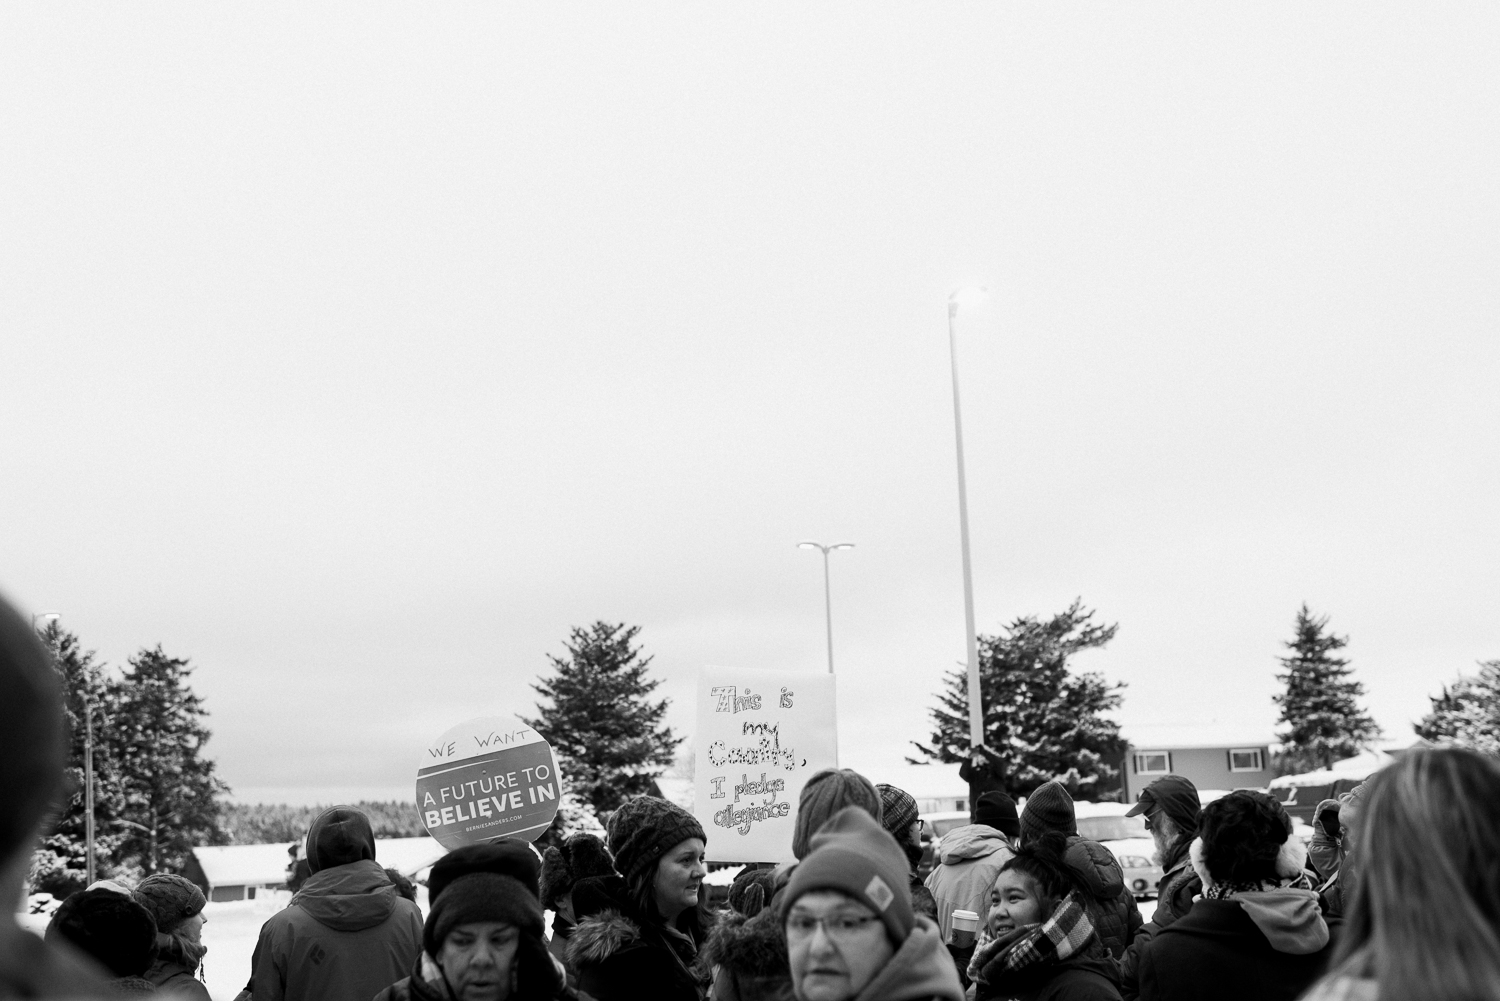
(1326, 723)
(600, 719)
(169, 785)
(59, 865)
(1044, 721)
(1467, 713)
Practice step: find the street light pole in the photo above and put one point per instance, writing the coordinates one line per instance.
(827, 591)
(976, 709)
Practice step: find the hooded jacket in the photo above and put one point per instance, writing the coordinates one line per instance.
(921, 970)
(1112, 906)
(347, 935)
(174, 969)
(1263, 945)
(969, 859)
(620, 957)
(748, 956)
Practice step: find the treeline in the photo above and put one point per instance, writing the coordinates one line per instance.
(268, 823)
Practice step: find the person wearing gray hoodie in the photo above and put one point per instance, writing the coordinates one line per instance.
(969, 858)
(1257, 934)
(348, 934)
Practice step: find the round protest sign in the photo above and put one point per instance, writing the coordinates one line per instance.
(487, 778)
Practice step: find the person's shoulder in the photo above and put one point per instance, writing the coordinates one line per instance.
(1078, 984)
(31, 967)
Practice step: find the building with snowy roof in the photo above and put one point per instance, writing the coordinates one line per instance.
(239, 872)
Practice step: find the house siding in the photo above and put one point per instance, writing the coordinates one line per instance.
(1205, 767)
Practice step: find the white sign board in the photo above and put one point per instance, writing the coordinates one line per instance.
(485, 779)
(761, 735)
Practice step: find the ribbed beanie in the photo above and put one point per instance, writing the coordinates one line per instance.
(825, 794)
(33, 736)
(481, 896)
(854, 855)
(1049, 808)
(502, 857)
(339, 836)
(898, 811)
(579, 857)
(110, 926)
(644, 829)
(997, 810)
(170, 898)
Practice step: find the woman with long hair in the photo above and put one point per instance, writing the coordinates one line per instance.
(639, 932)
(1424, 919)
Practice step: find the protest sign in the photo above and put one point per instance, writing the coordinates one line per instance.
(485, 779)
(761, 734)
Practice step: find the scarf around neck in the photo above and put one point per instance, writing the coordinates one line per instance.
(1063, 935)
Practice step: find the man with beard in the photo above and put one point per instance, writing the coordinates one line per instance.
(1171, 807)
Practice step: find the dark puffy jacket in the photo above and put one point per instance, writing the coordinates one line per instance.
(346, 936)
(1111, 905)
(1088, 976)
(1267, 946)
(619, 956)
(1174, 898)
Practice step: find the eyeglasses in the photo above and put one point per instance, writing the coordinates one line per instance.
(839, 927)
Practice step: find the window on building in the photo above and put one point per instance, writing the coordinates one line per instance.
(1153, 762)
(1245, 759)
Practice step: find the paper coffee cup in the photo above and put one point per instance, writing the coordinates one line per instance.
(965, 925)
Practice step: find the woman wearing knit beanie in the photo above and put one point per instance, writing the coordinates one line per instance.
(825, 794)
(850, 928)
(638, 932)
(483, 939)
(177, 905)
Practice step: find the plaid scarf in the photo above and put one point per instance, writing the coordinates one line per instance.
(1060, 937)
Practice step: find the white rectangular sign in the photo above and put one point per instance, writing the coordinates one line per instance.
(761, 734)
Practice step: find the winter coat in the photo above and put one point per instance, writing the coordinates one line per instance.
(1089, 976)
(1112, 906)
(621, 957)
(969, 859)
(921, 970)
(426, 983)
(32, 968)
(748, 957)
(1258, 946)
(173, 972)
(131, 987)
(1325, 851)
(1174, 898)
(346, 936)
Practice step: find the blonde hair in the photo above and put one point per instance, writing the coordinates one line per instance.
(1425, 916)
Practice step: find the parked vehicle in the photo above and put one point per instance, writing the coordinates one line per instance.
(1128, 840)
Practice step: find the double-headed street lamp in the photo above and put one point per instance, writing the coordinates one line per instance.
(976, 710)
(827, 593)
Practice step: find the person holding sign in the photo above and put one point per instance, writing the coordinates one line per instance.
(639, 931)
(850, 928)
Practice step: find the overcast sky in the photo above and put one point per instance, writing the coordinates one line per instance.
(356, 353)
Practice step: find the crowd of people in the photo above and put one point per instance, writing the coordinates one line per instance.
(1397, 896)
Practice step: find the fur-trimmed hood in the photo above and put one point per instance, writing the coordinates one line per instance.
(750, 946)
(600, 936)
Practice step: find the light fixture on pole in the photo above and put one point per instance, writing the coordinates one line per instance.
(827, 592)
(976, 709)
(88, 766)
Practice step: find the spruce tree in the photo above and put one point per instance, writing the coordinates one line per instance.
(59, 866)
(600, 719)
(1326, 723)
(1467, 713)
(1044, 721)
(169, 785)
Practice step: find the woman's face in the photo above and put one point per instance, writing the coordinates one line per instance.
(836, 946)
(678, 876)
(1015, 900)
(479, 959)
(192, 928)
